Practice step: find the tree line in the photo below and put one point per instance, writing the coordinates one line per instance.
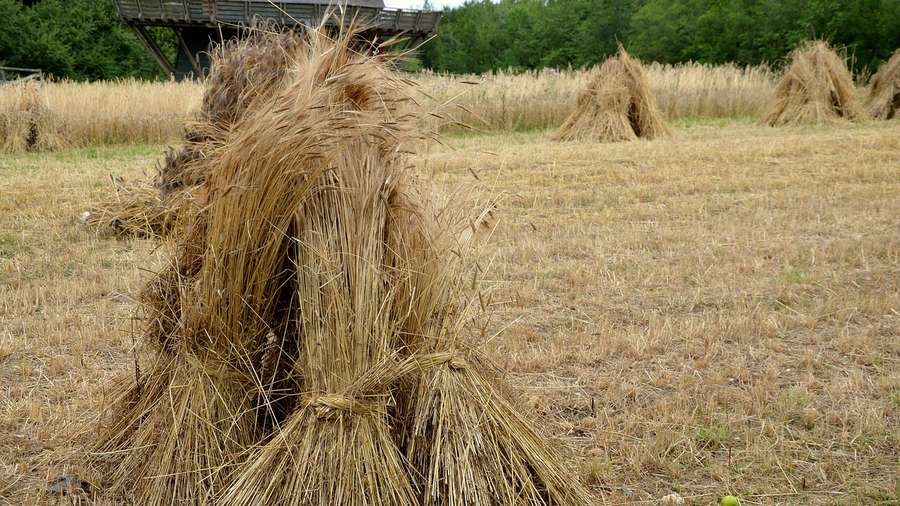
(83, 39)
(482, 35)
(75, 39)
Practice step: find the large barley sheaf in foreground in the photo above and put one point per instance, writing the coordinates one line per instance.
(617, 105)
(311, 339)
(816, 88)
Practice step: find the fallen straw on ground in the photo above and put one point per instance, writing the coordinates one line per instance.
(136, 209)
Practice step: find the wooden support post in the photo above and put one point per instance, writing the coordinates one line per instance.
(154, 48)
(198, 72)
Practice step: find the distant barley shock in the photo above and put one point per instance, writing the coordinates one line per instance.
(884, 90)
(816, 88)
(617, 105)
(26, 123)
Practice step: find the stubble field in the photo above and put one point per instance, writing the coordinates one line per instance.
(718, 312)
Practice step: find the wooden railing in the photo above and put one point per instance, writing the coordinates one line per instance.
(285, 12)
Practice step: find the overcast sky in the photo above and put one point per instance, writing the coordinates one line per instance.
(416, 4)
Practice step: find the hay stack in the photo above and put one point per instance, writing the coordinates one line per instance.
(816, 88)
(884, 91)
(243, 71)
(617, 105)
(311, 336)
(25, 122)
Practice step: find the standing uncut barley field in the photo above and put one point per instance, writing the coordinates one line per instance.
(136, 112)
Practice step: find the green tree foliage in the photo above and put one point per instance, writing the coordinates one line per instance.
(76, 39)
(529, 34)
(83, 39)
(526, 34)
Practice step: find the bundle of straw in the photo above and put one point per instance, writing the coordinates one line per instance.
(243, 71)
(884, 91)
(310, 336)
(342, 115)
(618, 105)
(816, 88)
(172, 439)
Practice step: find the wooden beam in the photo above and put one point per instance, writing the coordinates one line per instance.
(198, 72)
(154, 48)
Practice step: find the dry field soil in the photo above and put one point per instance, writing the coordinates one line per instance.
(715, 313)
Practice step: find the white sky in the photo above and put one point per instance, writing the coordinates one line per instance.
(416, 4)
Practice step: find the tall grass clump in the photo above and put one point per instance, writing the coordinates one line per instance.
(311, 339)
(689, 90)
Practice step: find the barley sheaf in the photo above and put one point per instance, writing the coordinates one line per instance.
(310, 336)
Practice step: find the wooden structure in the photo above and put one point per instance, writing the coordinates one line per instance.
(198, 24)
(20, 74)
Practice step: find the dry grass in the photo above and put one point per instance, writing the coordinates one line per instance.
(120, 112)
(128, 111)
(714, 312)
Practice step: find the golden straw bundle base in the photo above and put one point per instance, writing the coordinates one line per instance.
(471, 446)
(177, 437)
